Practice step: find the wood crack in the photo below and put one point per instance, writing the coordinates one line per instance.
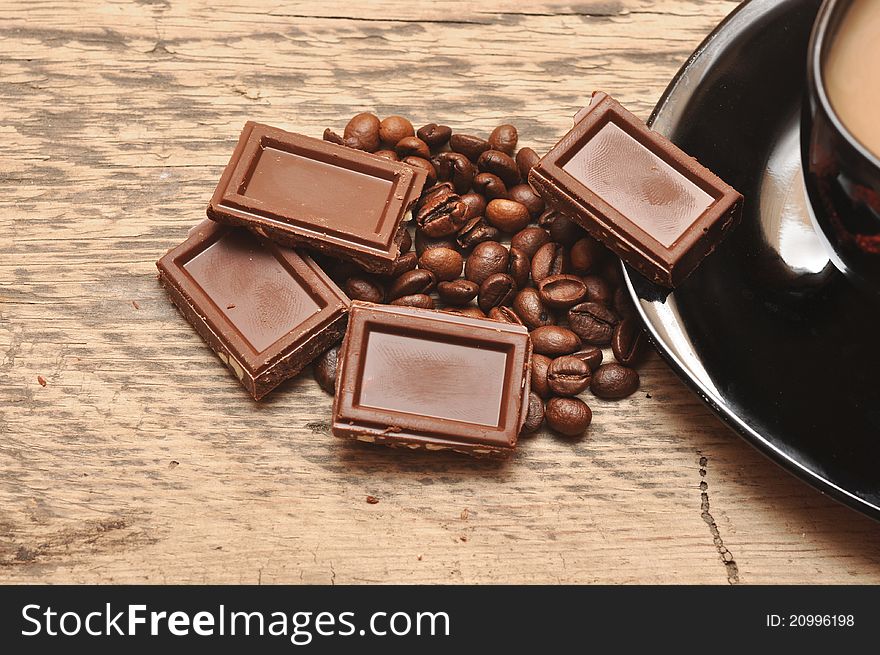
(726, 556)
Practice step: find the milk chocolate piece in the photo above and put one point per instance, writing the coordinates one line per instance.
(266, 310)
(629, 187)
(432, 380)
(297, 190)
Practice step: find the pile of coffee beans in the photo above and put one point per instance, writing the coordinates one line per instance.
(553, 278)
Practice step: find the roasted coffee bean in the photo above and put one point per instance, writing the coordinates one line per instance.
(585, 254)
(325, 369)
(628, 342)
(473, 312)
(526, 159)
(623, 304)
(405, 242)
(421, 300)
(394, 128)
(568, 416)
(519, 268)
(562, 291)
(387, 154)
(500, 164)
(425, 165)
(457, 292)
(456, 168)
(550, 259)
(546, 219)
(405, 262)
(424, 242)
(340, 270)
(439, 189)
(486, 259)
(504, 315)
(496, 290)
(507, 215)
(441, 214)
(568, 376)
(434, 135)
(490, 186)
(565, 231)
(529, 240)
(365, 129)
(364, 288)
(553, 340)
(613, 381)
(534, 415)
(590, 355)
(540, 366)
(531, 309)
(504, 138)
(331, 137)
(524, 194)
(470, 146)
(444, 263)
(412, 282)
(475, 203)
(475, 231)
(412, 146)
(592, 322)
(597, 289)
(355, 143)
(612, 273)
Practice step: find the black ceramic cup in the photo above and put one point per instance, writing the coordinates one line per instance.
(842, 176)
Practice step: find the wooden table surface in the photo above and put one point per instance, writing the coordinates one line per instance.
(142, 459)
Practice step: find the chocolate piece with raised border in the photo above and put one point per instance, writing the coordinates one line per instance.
(425, 379)
(635, 191)
(297, 190)
(266, 310)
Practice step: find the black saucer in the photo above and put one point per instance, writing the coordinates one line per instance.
(767, 331)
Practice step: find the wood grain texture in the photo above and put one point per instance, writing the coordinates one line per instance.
(142, 460)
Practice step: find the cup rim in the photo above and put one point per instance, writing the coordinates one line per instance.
(819, 42)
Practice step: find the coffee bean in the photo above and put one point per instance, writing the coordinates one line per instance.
(412, 146)
(420, 300)
(500, 164)
(561, 291)
(325, 369)
(613, 381)
(365, 289)
(412, 282)
(405, 262)
(592, 322)
(475, 203)
(489, 185)
(531, 309)
(568, 416)
(486, 259)
(439, 189)
(623, 305)
(597, 289)
(387, 154)
(456, 168)
(585, 254)
(526, 159)
(568, 376)
(405, 242)
(363, 127)
(425, 165)
(590, 355)
(444, 263)
(434, 135)
(546, 219)
(394, 128)
(628, 342)
(441, 214)
(331, 137)
(473, 312)
(497, 289)
(535, 414)
(504, 138)
(553, 341)
(355, 143)
(550, 259)
(529, 240)
(524, 194)
(340, 270)
(470, 146)
(519, 267)
(424, 242)
(475, 231)
(504, 315)
(457, 292)
(540, 366)
(565, 231)
(507, 215)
